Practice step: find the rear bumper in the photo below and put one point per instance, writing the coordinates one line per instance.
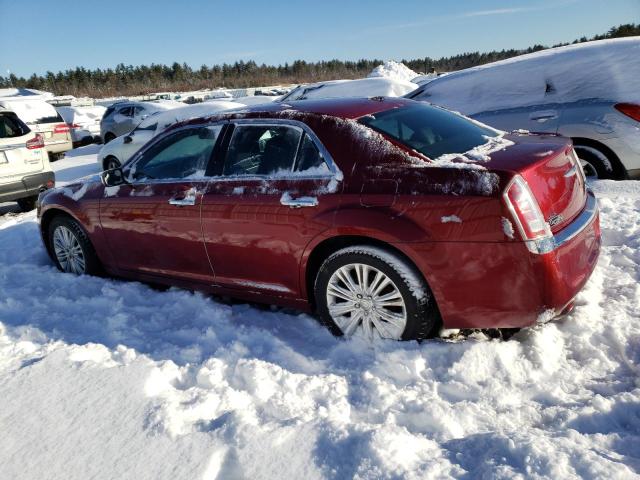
(30, 185)
(505, 285)
(57, 146)
(564, 271)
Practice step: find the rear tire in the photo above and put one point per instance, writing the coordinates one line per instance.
(70, 247)
(111, 162)
(370, 292)
(596, 164)
(28, 203)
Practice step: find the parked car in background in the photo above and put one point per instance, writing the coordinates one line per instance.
(118, 151)
(24, 163)
(589, 92)
(84, 123)
(362, 87)
(42, 118)
(385, 216)
(122, 117)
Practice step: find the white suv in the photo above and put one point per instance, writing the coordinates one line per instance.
(24, 163)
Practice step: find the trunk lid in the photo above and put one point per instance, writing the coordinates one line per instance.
(549, 166)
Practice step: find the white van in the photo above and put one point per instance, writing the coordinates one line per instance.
(24, 164)
(42, 118)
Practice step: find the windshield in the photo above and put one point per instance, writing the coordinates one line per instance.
(430, 130)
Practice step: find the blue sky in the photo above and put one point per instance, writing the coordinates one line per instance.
(56, 35)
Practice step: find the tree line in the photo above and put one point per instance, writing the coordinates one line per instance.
(130, 80)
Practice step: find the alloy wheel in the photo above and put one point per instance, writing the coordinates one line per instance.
(68, 251)
(362, 300)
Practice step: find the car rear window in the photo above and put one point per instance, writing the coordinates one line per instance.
(429, 130)
(11, 126)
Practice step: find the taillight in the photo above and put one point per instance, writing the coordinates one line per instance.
(629, 109)
(74, 126)
(528, 217)
(35, 142)
(61, 128)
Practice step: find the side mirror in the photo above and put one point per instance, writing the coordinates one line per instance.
(142, 117)
(127, 139)
(113, 177)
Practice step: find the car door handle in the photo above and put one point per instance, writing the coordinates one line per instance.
(188, 199)
(299, 202)
(544, 115)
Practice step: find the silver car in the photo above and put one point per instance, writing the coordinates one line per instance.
(589, 92)
(123, 117)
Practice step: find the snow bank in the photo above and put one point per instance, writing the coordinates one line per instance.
(606, 69)
(394, 70)
(103, 378)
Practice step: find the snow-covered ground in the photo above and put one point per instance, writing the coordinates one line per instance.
(101, 378)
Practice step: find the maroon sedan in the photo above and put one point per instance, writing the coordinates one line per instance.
(387, 217)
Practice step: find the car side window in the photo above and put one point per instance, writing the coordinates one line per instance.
(181, 155)
(310, 160)
(138, 111)
(262, 150)
(126, 111)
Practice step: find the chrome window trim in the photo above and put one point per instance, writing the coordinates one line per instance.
(334, 171)
(333, 168)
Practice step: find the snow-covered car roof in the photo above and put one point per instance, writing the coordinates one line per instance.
(605, 69)
(363, 87)
(79, 114)
(30, 109)
(164, 119)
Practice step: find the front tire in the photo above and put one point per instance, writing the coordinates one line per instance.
(70, 248)
(27, 204)
(370, 292)
(111, 162)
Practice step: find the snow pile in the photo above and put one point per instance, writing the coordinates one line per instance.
(606, 69)
(395, 70)
(97, 374)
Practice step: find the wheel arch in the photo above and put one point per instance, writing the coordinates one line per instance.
(46, 219)
(326, 247)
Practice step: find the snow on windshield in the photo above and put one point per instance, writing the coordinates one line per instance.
(601, 70)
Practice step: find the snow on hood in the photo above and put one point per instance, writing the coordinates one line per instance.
(606, 69)
(394, 70)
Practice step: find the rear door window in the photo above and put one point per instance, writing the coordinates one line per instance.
(262, 150)
(310, 160)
